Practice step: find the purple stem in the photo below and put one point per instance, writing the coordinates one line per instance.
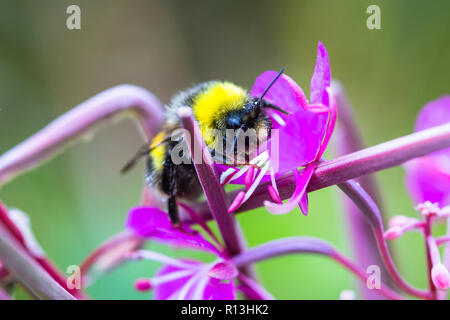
(382, 156)
(429, 238)
(443, 240)
(442, 294)
(112, 250)
(215, 195)
(78, 122)
(368, 207)
(207, 174)
(29, 273)
(252, 289)
(304, 245)
(349, 139)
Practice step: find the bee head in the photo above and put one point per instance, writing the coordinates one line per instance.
(250, 116)
(245, 117)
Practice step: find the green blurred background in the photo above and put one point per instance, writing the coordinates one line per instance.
(79, 199)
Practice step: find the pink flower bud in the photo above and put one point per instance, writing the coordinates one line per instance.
(440, 277)
(142, 285)
(398, 221)
(428, 208)
(393, 233)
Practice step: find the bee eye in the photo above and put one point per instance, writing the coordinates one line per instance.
(233, 121)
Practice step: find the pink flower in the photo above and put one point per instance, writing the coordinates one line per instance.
(428, 178)
(182, 279)
(300, 140)
(428, 181)
(432, 214)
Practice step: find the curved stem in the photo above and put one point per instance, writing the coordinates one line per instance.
(297, 245)
(210, 183)
(30, 274)
(443, 240)
(74, 124)
(213, 190)
(368, 207)
(115, 249)
(80, 121)
(349, 139)
(441, 293)
(429, 244)
(42, 260)
(383, 156)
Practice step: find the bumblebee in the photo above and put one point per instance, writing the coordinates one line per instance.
(217, 106)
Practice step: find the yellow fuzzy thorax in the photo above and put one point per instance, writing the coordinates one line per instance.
(158, 154)
(211, 104)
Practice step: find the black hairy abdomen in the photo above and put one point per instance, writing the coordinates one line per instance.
(178, 180)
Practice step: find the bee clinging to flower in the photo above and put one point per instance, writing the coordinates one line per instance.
(220, 107)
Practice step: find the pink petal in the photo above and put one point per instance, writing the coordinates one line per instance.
(435, 113)
(301, 182)
(145, 221)
(428, 179)
(219, 290)
(215, 289)
(304, 204)
(331, 122)
(223, 271)
(321, 78)
(285, 93)
(298, 142)
(167, 289)
(153, 223)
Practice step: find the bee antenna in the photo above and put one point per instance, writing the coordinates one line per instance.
(272, 83)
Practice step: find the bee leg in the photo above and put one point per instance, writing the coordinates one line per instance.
(175, 217)
(173, 211)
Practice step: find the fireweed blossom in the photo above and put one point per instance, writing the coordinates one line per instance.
(298, 139)
(428, 182)
(428, 178)
(181, 279)
(303, 135)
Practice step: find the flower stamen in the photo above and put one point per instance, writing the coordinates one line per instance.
(159, 257)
